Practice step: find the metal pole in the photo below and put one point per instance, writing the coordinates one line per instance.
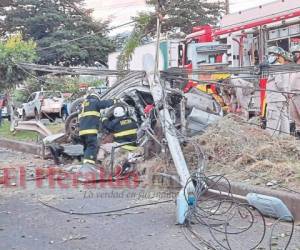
(182, 116)
(227, 7)
(167, 123)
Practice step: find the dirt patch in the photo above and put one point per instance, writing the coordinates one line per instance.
(245, 153)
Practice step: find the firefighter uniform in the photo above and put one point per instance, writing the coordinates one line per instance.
(89, 122)
(277, 104)
(124, 129)
(294, 104)
(243, 95)
(277, 99)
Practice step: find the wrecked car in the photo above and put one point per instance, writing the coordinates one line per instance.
(191, 113)
(200, 109)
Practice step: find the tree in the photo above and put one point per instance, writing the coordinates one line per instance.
(13, 51)
(178, 14)
(56, 26)
(142, 22)
(186, 14)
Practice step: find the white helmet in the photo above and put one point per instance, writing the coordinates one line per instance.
(295, 49)
(119, 112)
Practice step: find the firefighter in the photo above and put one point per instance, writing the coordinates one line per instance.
(294, 104)
(123, 128)
(243, 93)
(277, 115)
(89, 122)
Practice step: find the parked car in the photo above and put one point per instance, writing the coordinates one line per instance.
(4, 107)
(44, 104)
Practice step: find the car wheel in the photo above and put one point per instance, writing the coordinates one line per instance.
(37, 116)
(24, 118)
(72, 126)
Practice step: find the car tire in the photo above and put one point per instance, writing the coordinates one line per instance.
(24, 118)
(37, 116)
(72, 126)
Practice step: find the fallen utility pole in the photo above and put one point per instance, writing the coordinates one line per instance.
(166, 121)
(71, 70)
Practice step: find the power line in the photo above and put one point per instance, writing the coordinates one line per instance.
(103, 212)
(86, 36)
(118, 6)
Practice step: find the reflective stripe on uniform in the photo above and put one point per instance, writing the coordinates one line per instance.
(126, 132)
(89, 113)
(129, 148)
(89, 161)
(88, 132)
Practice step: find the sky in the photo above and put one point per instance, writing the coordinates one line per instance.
(120, 11)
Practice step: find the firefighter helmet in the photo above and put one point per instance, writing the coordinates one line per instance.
(281, 52)
(295, 49)
(119, 112)
(276, 50)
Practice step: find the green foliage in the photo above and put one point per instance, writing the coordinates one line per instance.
(27, 136)
(186, 14)
(18, 135)
(64, 84)
(51, 23)
(183, 14)
(12, 51)
(19, 96)
(142, 22)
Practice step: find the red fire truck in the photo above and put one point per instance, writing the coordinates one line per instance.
(241, 40)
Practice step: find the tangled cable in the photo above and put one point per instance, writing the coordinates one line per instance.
(217, 221)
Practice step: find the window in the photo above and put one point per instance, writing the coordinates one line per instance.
(32, 97)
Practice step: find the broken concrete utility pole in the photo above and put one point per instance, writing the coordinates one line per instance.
(166, 121)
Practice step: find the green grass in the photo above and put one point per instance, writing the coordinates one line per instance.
(28, 136)
(56, 128)
(18, 135)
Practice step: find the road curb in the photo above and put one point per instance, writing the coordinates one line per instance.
(24, 147)
(291, 200)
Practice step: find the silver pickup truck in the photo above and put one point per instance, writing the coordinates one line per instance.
(44, 104)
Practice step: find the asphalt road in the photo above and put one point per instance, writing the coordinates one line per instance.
(26, 224)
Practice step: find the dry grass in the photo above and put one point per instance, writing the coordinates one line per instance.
(237, 148)
(245, 153)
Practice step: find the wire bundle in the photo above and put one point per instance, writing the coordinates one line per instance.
(218, 221)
